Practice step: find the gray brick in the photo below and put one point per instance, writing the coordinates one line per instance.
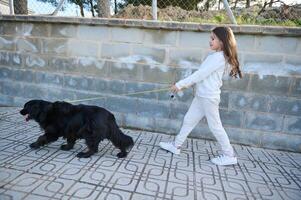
(129, 35)
(169, 126)
(194, 39)
(126, 71)
(11, 88)
(37, 29)
(160, 37)
(63, 30)
(76, 82)
(6, 100)
(95, 33)
(12, 28)
(5, 58)
(121, 104)
(55, 46)
(31, 45)
(158, 74)
(6, 73)
(275, 44)
(49, 78)
(82, 48)
(224, 103)
(281, 141)
(33, 91)
(178, 110)
(133, 87)
(292, 125)
(201, 131)
(185, 57)
(244, 136)
(149, 108)
(231, 118)
(293, 60)
(10, 59)
(24, 75)
(99, 85)
(7, 43)
(236, 84)
(261, 58)
(285, 106)
(270, 85)
(92, 66)
(156, 55)
(139, 122)
(296, 88)
(20, 101)
(245, 42)
(36, 62)
(182, 73)
(116, 87)
(111, 51)
(247, 101)
(265, 122)
(62, 64)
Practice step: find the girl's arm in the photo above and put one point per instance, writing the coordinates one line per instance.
(210, 64)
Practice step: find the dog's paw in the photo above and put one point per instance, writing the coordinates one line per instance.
(66, 147)
(83, 155)
(122, 154)
(34, 145)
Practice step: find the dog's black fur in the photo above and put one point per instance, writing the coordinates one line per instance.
(62, 119)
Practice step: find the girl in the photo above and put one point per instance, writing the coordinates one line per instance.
(208, 80)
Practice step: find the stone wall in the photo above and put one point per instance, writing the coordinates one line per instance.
(54, 59)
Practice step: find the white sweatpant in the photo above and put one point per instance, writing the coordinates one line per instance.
(199, 108)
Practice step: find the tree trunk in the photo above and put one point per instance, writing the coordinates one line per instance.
(219, 4)
(81, 7)
(247, 3)
(20, 7)
(92, 7)
(235, 4)
(206, 6)
(103, 8)
(271, 3)
(115, 7)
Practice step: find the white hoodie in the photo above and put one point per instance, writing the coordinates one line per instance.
(208, 78)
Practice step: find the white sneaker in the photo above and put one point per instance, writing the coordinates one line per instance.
(170, 146)
(224, 160)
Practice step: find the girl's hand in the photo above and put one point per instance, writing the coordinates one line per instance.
(174, 89)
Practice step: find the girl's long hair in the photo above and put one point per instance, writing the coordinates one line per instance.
(226, 36)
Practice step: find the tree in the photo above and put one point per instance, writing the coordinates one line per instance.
(20, 7)
(88, 4)
(103, 8)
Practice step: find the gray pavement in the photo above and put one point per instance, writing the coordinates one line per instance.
(147, 173)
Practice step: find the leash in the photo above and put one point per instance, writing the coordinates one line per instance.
(126, 94)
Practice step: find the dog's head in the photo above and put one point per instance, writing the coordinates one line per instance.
(36, 110)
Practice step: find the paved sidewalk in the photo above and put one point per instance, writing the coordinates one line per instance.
(147, 173)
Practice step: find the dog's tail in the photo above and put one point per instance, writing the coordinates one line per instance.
(118, 138)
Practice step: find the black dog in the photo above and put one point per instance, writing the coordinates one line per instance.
(62, 119)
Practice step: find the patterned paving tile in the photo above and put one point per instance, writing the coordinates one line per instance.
(147, 173)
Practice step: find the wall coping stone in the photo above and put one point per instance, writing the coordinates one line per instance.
(151, 24)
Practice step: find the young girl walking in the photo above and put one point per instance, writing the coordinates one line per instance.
(208, 80)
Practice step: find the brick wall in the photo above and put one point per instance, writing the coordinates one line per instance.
(68, 58)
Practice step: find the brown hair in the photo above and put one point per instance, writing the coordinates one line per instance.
(226, 36)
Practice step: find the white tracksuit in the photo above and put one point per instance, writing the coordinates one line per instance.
(208, 80)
